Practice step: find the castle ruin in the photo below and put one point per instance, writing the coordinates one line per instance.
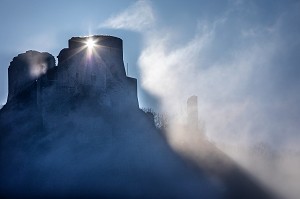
(95, 70)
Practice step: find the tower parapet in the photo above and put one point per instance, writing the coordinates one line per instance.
(101, 40)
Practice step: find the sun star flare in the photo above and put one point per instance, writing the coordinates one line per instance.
(90, 43)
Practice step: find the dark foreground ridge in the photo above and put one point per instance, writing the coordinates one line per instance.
(75, 130)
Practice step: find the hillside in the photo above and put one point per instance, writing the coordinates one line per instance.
(75, 130)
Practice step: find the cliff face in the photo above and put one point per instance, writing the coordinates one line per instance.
(77, 131)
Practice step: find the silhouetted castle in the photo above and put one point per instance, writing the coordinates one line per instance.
(75, 130)
(90, 66)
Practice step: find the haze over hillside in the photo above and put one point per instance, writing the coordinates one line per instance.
(75, 130)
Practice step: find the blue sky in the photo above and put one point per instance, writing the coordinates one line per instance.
(240, 57)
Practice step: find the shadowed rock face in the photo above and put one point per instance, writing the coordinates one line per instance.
(95, 141)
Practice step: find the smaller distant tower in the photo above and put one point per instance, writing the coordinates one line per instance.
(192, 111)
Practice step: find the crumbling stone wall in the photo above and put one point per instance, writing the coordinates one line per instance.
(26, 68)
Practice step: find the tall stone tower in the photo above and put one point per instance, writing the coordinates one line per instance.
(91, 62)
(91, 67)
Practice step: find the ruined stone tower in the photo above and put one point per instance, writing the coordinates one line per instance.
(91, 66)
(25, 69)
(192, 111)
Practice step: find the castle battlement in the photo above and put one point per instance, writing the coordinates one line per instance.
(100, 40)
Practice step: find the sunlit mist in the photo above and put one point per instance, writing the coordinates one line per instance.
(235, 109)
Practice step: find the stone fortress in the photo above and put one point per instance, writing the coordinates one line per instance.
(91, 66)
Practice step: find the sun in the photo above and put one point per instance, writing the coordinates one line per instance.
(90, 43)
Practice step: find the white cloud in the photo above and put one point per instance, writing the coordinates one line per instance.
(138, 17)
(173, 73)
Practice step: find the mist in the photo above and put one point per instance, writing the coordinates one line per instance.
(80, 149)
(243, 70)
